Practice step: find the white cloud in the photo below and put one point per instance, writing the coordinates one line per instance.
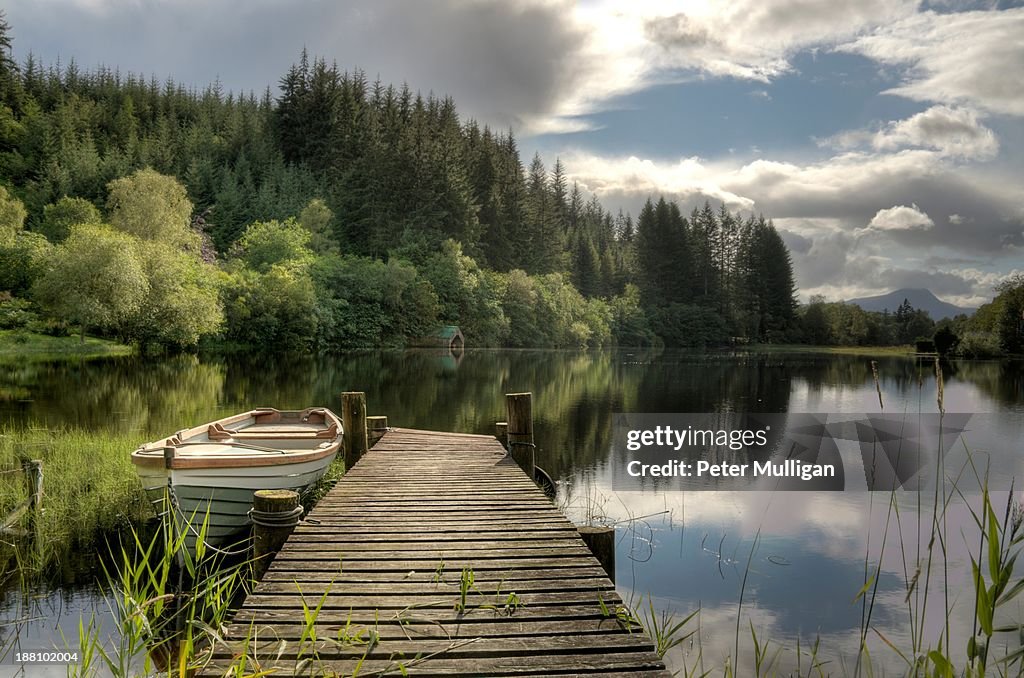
(631, 46)
(900, 218)
(954, 132)
(956, 219)
(754, 39)
(967, 57)
(688, 179)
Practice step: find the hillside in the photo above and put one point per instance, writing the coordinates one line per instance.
(919, 298)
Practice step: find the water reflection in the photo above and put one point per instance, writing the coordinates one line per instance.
(811, 547)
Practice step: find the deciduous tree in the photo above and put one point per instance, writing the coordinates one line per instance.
(96, 279)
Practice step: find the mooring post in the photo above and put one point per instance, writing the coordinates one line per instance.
(376, 427)
(501, 433)
(274, 515)
(601, 542)
(353, 419)
(519, 407)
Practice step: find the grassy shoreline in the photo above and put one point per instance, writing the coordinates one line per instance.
(833, 350)
(21, 343)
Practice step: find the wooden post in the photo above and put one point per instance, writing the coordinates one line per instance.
(601, 542)
(519, 408)
(353, 419)
(274, 515)
(34, 475)
(501, 433)
(376, 427)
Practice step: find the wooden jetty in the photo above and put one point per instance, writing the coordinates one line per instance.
(435, 554)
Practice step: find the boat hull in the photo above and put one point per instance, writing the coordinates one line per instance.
(210, 481)
(223, 501)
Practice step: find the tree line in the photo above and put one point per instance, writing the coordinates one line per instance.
(339, 212)
(996, 329)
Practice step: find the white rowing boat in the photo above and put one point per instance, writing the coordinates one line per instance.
(211, 471)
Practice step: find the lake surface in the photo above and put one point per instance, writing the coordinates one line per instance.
(796, 559)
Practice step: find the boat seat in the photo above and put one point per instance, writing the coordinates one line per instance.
(217, 431)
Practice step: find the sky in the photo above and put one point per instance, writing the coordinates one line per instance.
(883, 137)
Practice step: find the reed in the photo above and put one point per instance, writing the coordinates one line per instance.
(90, 488)
(170, 607)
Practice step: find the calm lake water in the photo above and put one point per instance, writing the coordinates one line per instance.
(796, 559)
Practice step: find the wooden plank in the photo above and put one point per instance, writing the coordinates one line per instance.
(446, 616)
(385, 551)
(548, 537)
(507, 575)
(426, 598)
(437, 554)
(291, 560)
(446, 585)
(512, 625)
(437, 544)
(449, 531)
(538, 665)
(479, 646)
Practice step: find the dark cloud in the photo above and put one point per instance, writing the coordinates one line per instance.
(503, 62)
(824, 262)
(989, 223)
(836, 263)
(796, 242)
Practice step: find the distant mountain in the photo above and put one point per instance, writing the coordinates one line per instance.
(918, 298)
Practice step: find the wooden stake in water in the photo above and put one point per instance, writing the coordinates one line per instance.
(376, 427)
(353, 420)
(878, 386)
(501, 433)
(601, 542)
(275, 513)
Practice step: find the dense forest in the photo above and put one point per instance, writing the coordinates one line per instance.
(336, 212)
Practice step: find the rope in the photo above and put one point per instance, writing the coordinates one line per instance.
(524, 443)
(275, 518)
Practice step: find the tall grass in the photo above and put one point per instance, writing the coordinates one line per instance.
(89, 487)
(170, 604)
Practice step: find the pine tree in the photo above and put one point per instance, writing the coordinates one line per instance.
(574, 214)
(11, 91)
(541, 230)
(706, 241)
(289, 115)
(586, 267)
(559, 199)
(663, 254)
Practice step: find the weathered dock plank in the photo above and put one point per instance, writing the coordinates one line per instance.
(435, 555)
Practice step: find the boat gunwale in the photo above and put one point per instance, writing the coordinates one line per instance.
(151, 454)
(141, 458)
